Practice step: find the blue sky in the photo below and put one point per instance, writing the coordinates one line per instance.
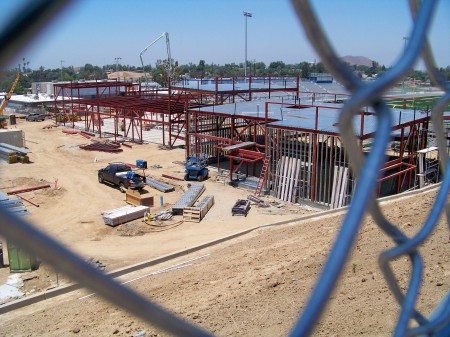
(98, 31)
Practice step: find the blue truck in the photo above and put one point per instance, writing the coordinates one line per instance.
(121, 175)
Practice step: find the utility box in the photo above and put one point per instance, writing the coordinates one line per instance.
(12, 120)
(19, 259)
(141, 163)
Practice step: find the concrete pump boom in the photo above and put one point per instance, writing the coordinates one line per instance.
(169, 57)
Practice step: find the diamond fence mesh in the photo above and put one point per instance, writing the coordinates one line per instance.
(22, 29)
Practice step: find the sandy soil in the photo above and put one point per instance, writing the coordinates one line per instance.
(250, 286)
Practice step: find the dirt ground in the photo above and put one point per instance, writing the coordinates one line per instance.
(254, 285)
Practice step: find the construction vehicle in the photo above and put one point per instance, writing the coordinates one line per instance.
(5, 101)
(196, 168)
(121, 175)
(169, 57)
(35, 117)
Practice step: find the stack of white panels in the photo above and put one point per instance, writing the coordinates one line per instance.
(124, 214)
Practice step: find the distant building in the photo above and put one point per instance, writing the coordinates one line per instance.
(321, 78)
(42, 88)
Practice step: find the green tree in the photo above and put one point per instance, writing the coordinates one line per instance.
(305, 69)
(275, 68)
(160, 73)
(201, 68)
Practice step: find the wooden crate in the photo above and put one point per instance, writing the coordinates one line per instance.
(133, 197)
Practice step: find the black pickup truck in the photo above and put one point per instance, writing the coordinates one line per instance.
(121, 175)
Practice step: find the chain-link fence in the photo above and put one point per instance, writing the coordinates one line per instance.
(20, 32)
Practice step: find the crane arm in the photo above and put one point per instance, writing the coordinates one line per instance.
(9, 94)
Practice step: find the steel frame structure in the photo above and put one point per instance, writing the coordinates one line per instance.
(240, 87)
(131, 109)
(177, 113)
(210, 132)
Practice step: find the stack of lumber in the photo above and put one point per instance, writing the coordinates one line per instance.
(124, 214)
(13, 154)
(197, 213)
(188, 198)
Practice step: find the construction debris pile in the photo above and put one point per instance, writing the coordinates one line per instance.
(102, 147)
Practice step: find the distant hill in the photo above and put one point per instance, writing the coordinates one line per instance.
(357, 60)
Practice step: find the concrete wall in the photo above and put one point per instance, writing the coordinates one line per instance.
(12, 136)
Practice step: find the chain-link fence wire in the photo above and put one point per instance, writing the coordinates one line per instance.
(368, 170)
(22, 28)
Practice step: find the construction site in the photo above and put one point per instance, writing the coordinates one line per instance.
(277, 136)
(197, 204)
(218, 198)
(228, 163)
(229, 274)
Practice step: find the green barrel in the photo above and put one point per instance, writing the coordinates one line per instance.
(19, 259)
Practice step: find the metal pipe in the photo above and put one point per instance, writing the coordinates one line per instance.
(246, 15)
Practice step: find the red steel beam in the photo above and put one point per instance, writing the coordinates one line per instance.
(170, 177)
(403, 171)
(23, 198)
(28, 189)
(242, 159)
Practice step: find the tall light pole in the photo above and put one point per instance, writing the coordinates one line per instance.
(61, 69)
(246, 15)
(403, 83)
(117, 59)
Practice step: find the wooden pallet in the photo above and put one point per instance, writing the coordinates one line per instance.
(192, 214)
(197, 213)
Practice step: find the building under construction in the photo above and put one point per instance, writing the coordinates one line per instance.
(276, 135)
